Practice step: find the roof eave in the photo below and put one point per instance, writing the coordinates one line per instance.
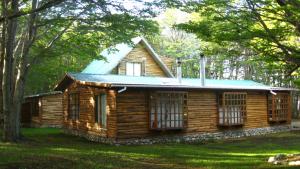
(187, 87)
(156, 57)
(43, 94)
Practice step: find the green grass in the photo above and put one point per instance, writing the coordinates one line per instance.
(50, 148)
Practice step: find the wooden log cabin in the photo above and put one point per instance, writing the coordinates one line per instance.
(43, 110)
(134, 97)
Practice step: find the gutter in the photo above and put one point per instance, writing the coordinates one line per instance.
(183, 87)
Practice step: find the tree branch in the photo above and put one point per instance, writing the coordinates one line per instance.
(45, 6)
(284, 49)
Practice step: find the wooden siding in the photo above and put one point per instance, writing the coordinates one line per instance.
(86, 122)
(50, 111)
(133, 113)
(202, 112)
(257, 113)
(140, 54)
(170, 63)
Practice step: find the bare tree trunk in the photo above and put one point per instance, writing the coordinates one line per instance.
(23, 65)
(11, 131)
(1, 94)
(1, 69)
(15, 60)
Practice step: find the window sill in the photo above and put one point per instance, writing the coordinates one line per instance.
(168, 129)
(98, 127)
(101, 129)
(229, 125)
(278, 121)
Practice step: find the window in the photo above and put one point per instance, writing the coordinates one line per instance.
(168, 110)
(133, 69)
(73, 106)
(100, 110)
(34, 107)
(278, 107)
(232, 108)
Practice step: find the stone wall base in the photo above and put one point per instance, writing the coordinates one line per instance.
(191, 138)
(90, 136)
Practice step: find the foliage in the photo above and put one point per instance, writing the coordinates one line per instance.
(84, 31)
(50, 148)
(174, 43)
(267, 30)
(34, 30)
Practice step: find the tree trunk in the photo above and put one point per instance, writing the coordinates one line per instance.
(11, 125)
(1, 72)
(1, 94)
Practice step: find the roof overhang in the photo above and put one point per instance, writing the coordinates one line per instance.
(156, 57)
(100, 81)
(202, 87)
(68, 80)
(64, 83)
(43, 94)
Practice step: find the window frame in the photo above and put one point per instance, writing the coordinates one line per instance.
(231, 112)
(73, 114)
(100, 112)
(133, 68)
(281, 113)
(172, 120)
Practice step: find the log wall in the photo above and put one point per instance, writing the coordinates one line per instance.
(86, 122)
(50, 111)
(133, 113)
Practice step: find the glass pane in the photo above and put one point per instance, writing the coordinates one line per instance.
(129, 69)
(137, 69)
(103, 110)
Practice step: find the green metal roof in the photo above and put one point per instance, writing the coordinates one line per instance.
(113, 58)
(162, 82)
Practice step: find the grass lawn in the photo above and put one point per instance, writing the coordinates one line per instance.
(50, 148)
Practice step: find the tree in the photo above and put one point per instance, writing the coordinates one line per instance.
(30, 29)
(268, 29)
(174, 43)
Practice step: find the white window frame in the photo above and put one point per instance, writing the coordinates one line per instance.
(133, 69)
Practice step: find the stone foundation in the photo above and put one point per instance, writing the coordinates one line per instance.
(191, 138)
(91, 136)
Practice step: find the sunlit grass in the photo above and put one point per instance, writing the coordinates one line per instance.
(50, 148)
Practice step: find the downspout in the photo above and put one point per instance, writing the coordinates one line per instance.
(273, 93)
(122, 90)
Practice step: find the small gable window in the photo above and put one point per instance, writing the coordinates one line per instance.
(100, 110)
(232, 108)
(73, 107)
(133, 69)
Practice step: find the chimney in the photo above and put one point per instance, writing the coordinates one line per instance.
(202, 69)
(179, 73)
